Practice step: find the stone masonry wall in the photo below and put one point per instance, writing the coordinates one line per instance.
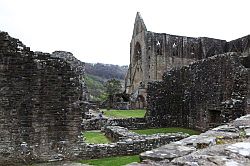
(40, 97)
(78, 67)
(128, 143)
(241, 45)
(224, 145)
(130, 123)
(206, 93)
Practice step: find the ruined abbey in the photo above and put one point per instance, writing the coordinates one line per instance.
(196, 83)
(183, 83)
(152, 54)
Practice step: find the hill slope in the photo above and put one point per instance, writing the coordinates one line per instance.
(106, 71)
(96, 76)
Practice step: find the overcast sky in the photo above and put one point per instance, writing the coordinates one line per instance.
(101, 30)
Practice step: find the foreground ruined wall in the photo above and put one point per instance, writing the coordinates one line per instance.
(222, 146)
(78, 67)
(206, 93)
(40, 98)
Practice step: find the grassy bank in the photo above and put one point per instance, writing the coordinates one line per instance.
(95, 137)
(112, 161)
(124, 113)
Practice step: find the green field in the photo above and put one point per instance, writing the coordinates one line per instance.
(124, 113)
(112, 161)
(95, 137)
(167, 130)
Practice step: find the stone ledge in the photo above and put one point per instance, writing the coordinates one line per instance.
(223, 145)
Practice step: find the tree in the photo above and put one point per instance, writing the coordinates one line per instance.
(113, 87)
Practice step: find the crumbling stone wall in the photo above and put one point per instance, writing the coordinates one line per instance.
(40, 99)
(152, 54)
(223, 145)
(241, 45)
(128, 143)
(78, 67)
(130, 123)
(206, 93)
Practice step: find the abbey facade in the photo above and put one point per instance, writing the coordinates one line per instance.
(152, 54)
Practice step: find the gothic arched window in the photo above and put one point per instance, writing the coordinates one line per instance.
(158, 48)
(137, 52)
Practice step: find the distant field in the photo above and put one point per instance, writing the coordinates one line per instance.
(112, 161)
(95, 137)
(167, 130)
(124, 113)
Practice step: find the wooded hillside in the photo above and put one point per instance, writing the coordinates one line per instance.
(96, 76)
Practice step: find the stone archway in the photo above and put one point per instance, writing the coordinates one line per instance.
(136, 69)
(137, 52)
(140, 102)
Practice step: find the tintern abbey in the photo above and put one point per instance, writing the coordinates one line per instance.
(152, 54)
(201, 84)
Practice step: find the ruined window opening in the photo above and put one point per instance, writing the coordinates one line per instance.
(159, 51)
(174, 45)
(175, 52)
(137, 52)
(246, 62)
(158, 43)
(140, 102)
(192, 49)
(158, 48)
(214, 117)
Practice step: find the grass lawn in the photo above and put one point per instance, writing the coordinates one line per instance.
(166, 130)
(112, 161)
(124, 113)
(95, 137)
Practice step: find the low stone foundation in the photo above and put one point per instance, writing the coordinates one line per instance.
(116, 133)
(128, 143)
(130, 123)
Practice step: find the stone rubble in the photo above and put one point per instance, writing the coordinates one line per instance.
(223, 149)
